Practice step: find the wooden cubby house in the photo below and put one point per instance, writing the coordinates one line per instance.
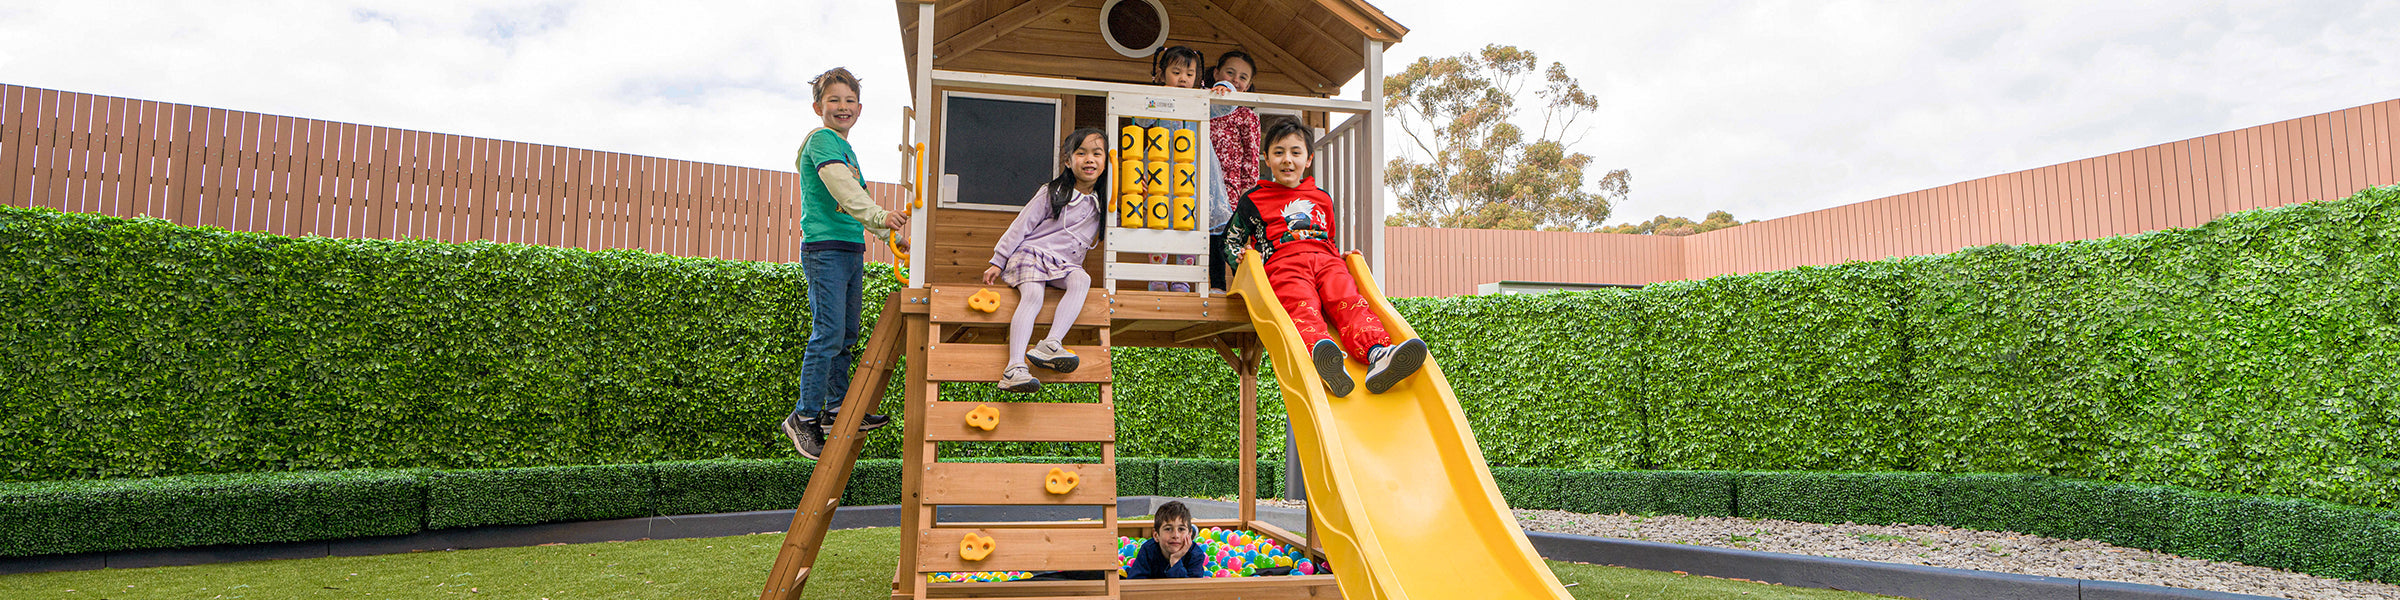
(996, 84)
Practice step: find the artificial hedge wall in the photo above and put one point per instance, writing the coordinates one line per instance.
(2259, 353)
(70, 517)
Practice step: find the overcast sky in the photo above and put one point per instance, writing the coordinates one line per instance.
(1766, 109)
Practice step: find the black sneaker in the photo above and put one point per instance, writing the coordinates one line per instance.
(1387, 365)
(870, 422)
(806, 436)
(1328, 356)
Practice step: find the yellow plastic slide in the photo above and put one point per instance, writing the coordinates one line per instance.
(1397, 486)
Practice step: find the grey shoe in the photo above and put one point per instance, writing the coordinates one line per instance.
(1328, 356)
(1016, 379)
(1048, 354)
(871, 422)
(1388, 365)
(806, 436)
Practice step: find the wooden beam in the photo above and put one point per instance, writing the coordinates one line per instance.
(1231, 361)
(1082, 549)
(1288, 538)
(1023, 422)
(993, 28)
(1038, 84)
(1293, 587)
(1259, 45)
(1017, 484)
(1366, 19)
(949, 306)
(982, 362)
(1207, 330)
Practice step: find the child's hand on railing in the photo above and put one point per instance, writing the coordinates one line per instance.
(895, 220)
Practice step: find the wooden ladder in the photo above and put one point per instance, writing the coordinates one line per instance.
(953, 343)
(807, 533)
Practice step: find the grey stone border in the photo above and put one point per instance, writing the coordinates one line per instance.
(1912, 581)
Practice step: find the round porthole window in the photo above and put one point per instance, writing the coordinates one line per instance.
(1134, 28)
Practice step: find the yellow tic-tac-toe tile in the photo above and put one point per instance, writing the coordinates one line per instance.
(1131, 209)
(1129, 178)
(1184, 181)
(1129, 142)
(1185, 208)
(1161, 212)
(1156, 140)
(1187, 148)
(1156, 172)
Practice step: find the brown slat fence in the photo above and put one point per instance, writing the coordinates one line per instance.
(196, 165)
(291, 176)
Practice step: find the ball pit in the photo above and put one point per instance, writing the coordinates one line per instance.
(1229, 553)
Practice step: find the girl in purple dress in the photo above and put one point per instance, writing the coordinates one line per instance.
(1044, 248)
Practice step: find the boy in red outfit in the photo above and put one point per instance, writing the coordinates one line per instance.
(1306, 270)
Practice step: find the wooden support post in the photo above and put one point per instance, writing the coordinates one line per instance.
(1246, 368)
(918, 453)
(1108, 456)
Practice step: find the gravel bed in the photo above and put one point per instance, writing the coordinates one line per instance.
(1953, 548)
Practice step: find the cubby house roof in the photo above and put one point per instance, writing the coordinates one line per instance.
(1302, 47)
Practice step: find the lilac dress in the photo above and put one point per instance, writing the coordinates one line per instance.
(1040, 248)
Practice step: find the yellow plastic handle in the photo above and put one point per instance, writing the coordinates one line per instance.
(916, 200)
(984, 417)
(1061, 481)
(975, 546)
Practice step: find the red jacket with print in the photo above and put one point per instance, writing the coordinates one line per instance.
(1276, 219)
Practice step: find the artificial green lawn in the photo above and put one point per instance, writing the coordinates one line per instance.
(855, 564)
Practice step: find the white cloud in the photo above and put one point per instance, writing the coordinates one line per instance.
(1774, 108)
(1764, 108)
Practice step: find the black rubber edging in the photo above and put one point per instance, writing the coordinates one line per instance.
(1911, 581)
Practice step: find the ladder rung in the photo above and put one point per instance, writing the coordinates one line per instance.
(982, 362)
(1023, 422)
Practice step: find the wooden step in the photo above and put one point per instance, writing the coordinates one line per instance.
(1023, 422)
(1017, 484)
(982, 362)
(950, 306)
(1085, 549)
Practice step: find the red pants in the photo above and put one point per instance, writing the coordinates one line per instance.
(1316, 287)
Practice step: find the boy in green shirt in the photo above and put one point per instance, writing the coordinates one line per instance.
(835, 214)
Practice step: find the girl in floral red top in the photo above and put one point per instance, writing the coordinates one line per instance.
(1233, 133)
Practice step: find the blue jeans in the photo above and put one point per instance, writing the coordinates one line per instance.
(836, 278)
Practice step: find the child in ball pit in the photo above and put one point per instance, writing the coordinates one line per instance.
(1170, 553)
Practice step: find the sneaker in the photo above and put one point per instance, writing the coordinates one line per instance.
(1048, 354)
(870, 422)
(806, 436)
(1328, 356)
(1158, 286)
(1387, 365)
(1015, 379)
(1180, 287)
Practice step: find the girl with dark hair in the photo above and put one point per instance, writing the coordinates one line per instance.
(1044, 248)
(1180, 67)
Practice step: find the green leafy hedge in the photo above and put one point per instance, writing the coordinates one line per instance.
(62, 517)
(68, 517)
(2259, 353)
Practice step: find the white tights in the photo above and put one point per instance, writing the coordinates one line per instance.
(1029, 307)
